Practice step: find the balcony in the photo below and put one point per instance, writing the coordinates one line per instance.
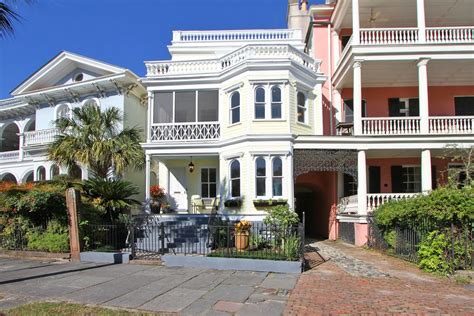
(348, 205)
(237, 35)
(10, 155)
(40, 137)
(195, 131)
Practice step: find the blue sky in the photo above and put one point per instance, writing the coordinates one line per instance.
(120, 32)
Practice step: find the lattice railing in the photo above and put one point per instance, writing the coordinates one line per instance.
(185, 131)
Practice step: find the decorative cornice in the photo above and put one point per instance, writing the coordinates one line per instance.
(423, 61)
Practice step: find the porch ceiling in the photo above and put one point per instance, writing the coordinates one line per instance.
(402, 13)
(405, 73)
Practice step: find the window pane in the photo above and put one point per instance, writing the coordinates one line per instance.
(212, 175)
(212, 190)
(163, 107)
(277, 187)
(204, 190)
(348, 111)
(204, 175)
(260, 95)
(260, 111)
(235, 188)
(464, 105)
(235, 115)
(260, 166)
(276, 94)
(235, 170)
(208, 108)
(276, 110)
(185, 106)
(301, 99)
(277, 167)
(260, 186)
(301, 117)
(235, 100)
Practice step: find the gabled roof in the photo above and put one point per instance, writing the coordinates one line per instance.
(59, 66)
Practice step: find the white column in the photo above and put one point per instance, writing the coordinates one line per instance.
(290, 181)
(147, 176)
(22, 141)
(423, 95)
(361, 183)
(420, 19)
(426, 184)
(357, 98)
(355, 22)
(149, 116)
(337, 104)
(336, 48)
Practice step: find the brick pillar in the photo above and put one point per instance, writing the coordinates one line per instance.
(72, 198)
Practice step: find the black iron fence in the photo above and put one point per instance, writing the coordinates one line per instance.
(457, 249)
(105, 238)
(14, 237)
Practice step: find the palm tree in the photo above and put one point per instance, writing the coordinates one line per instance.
(94, 138)
(8, 16)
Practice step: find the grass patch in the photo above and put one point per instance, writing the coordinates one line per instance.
(48, 308)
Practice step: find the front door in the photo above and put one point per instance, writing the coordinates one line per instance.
(177, 185)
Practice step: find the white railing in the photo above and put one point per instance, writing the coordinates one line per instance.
(382, 126)
(374, 200)
(347, 205)
(10, 155)
(237, 35)
(40, 137)
(185, 131)
(451, 124)
(378, 36)
(164, 68)
(460, 34)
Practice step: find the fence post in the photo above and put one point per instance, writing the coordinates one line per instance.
(162, 238)
(132, 240)
(72, 198)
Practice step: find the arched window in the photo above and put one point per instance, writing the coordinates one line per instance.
(28, 177)
(301, 107)
(54, 171)
(276, 102)
(259, 103)
(30, 126)
(261, 176)
(8, 177)
(235, 108)
(277, 177)
(63, 111)
(10, 138)
(235, 179)
(90, 102)
(41, 174)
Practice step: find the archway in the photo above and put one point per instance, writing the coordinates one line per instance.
(75, 172)
(28, 177)
(8, 177)
(54, 171)
(10, 138)
(30, 126)
(41, 174)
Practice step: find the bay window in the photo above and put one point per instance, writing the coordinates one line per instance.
(277, 177)
(260, 103)
(235, 179)
(276, 103)
(261, 176)
(301, 107)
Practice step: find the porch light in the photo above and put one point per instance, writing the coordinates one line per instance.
(191, 166)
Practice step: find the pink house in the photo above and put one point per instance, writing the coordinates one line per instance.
(399, 89)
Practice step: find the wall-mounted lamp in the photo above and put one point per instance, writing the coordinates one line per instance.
(191, 165)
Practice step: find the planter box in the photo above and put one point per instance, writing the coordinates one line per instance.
(260, 203)
(105, 257)
(232, 264)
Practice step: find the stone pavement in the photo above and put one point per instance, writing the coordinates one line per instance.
(349, 280)
(145, 287)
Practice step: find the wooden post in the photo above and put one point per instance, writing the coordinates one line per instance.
(72, 198)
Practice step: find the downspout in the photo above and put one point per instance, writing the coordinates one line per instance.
(331, 118)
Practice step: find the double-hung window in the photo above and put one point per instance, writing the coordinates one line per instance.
(235, 108)
(301, 107)
(277, 177)
(235, 179)
(268, 102)
(260, 103)
(411, 179)
(276, 102)
(208, 182)
(261, 176)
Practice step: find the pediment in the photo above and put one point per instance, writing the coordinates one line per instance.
(64, 69)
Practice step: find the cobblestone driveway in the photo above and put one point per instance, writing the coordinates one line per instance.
(359, 281)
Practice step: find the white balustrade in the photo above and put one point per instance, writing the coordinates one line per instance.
(347, 205)
(10, 155)
(377, 36)
(40, 137)
(374, 200)
(163, 68)
(185, 131)
(459, 34)
(237, 35)
(382, 126)
(451, 124)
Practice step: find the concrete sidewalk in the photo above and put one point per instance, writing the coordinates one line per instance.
(145, 287)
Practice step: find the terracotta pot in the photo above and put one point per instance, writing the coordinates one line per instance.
(242, 240)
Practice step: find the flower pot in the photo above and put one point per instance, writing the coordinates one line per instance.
(242, 240)
(155, 207)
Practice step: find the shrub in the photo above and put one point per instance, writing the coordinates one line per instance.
(281, 216)
(54, 239)
(432, 253)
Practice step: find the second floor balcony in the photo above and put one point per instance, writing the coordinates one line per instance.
(186, 131)
(40, 137)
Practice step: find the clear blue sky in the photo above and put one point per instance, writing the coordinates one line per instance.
(120, 32)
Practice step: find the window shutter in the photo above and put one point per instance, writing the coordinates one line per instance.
(394, 107)
(397, 179)
(434, 184)
(414, 107)
(464, 106)
(347, 184)
(364, 108)
(374, 179)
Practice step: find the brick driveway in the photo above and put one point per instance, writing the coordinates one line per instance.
(361, 281)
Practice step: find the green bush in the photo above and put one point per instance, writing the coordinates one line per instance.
(281, 216)
(433, 253)
(54, 239)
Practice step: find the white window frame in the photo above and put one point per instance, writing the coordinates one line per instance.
(272, 102)
(267, 88)
(304, 107)
(406, 109)
(260, 177)
(277, 177)
(264, 103)
(208, 182)
(405, 181)
(231, 179)
(59, 107)
(231, 108)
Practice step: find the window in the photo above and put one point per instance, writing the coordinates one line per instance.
(301, 107)
(261, 176)
(403, 107)
(259, 103)
(277, 177)
(207, 106)
(349, 110)
(63, 111)
(464, 106)
(411, 179)
(78, 77)
(235, 108)
(276, 102)
(185, 106)
(235, 179)
(163, 105)
(41, 174)
(350, 185)
(208, 182)
(54, 171)
(344, 41)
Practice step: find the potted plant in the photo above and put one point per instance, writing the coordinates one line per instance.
(237, 202)
(242, 235)
(157, 195)
(269, 202)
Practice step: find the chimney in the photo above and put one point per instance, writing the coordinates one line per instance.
(298, 15)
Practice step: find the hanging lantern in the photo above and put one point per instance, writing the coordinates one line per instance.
(191, 166)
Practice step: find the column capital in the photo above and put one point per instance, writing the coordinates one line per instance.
(357, 63)
(423, 61)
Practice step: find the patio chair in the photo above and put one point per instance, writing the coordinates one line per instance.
(197, 204)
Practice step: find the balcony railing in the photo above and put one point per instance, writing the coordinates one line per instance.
(237, 35)
(451, 124)
(374, 200)
(382, 126)
(40, 137)
(10, 155)
(461, 34)
(185, 131)
(262, 52)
